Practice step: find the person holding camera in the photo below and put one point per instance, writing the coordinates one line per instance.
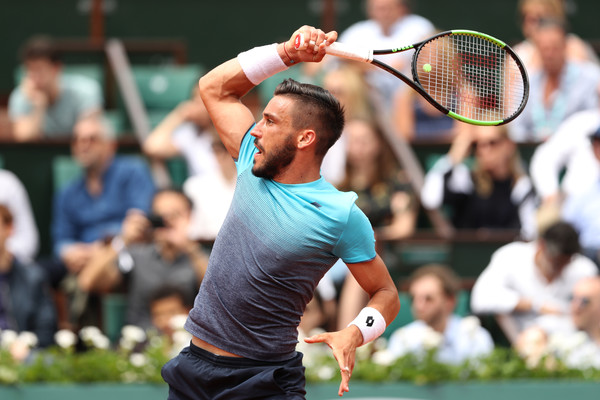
(152, 250)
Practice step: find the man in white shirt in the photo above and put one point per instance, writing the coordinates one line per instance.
(434, 289)
(390, 24)
(568, 148)
(24, 241)
(529, 280)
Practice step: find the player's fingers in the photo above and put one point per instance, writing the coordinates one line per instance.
(345, 383)
(331, 37)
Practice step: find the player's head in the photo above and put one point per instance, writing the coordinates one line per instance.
(585, 304)
(42, 62)
(93, 142)
(300, 116)
(556, 247)
(433, 289)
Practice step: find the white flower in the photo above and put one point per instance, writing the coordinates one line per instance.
(384, 357)
(28, 338)
(65, 338)
(177, 321)
(7, 338)
(101, 342)
(133, 333)
(431, 339)
(138, 360)
(469, 325)
(88, 333)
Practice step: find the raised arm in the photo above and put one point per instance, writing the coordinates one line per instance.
(223, 87)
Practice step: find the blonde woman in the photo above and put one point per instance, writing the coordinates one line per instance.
(493, 192)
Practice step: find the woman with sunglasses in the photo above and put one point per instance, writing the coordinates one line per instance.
(481, 182)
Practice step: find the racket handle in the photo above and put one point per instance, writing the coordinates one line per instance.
(341, 50)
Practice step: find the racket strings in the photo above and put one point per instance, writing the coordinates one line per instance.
(471, 76)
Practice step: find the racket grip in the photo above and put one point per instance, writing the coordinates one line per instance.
(342, 50)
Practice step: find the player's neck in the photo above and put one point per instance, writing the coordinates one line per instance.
(301, 170)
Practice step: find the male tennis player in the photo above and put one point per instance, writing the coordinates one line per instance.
(286, 227)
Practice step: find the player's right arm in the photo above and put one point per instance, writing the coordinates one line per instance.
(223, 87)
(221, 90)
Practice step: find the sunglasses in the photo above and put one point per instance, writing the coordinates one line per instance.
(582, 300)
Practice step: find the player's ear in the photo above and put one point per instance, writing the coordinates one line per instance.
(306, 138)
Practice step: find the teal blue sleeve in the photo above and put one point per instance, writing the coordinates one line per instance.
(246, 154)
(357, 242)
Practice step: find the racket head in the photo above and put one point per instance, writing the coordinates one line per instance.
(474, 77)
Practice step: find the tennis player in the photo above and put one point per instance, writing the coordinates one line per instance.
(286, 227)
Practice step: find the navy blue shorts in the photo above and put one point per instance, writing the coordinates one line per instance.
(196, 374)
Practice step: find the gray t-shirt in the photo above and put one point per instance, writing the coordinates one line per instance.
(78, 96)
(146, 271)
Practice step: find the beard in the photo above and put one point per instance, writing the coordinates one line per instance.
(276, 160)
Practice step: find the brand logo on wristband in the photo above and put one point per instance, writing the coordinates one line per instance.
(370, 321)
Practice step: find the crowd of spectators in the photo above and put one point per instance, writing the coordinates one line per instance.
(114, 230)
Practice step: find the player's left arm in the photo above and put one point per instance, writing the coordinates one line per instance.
(374, 278)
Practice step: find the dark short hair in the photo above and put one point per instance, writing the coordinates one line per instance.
(561, 238)
(40, 47)
(176, 191)
(167, 291)
(315, 108)
(5, 215)
(447, 277)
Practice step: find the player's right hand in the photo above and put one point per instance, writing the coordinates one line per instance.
(312, 47)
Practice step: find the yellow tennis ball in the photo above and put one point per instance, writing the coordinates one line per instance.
(427, 67)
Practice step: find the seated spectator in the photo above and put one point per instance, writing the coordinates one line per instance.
(25, 301)
(149, 253)
(186, 131)
(569, 149)
(374, 174)
(166, 303)
(583, 210)
(211, 195)
(531, 12)
(90, 209)
(347, 83)
(434, 289)
(493, 193)
(577, 341)
(24, 241)
(416, 120)
(533, 279)
(47, 103)
(558, 90)
(390, 24)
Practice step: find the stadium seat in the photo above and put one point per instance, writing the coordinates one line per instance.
(64, 170)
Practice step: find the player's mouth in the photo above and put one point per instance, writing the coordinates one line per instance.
(259, 147)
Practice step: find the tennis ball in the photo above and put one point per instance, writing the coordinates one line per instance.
(427, 67)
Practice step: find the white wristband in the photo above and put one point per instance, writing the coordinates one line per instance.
(261, 63)
(370, 322)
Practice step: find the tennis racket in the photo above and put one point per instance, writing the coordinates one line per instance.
(469, 76)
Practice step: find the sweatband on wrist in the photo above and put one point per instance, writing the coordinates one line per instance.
(370, 322)
(261, 63)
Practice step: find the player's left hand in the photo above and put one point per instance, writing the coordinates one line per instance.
(343, 345)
